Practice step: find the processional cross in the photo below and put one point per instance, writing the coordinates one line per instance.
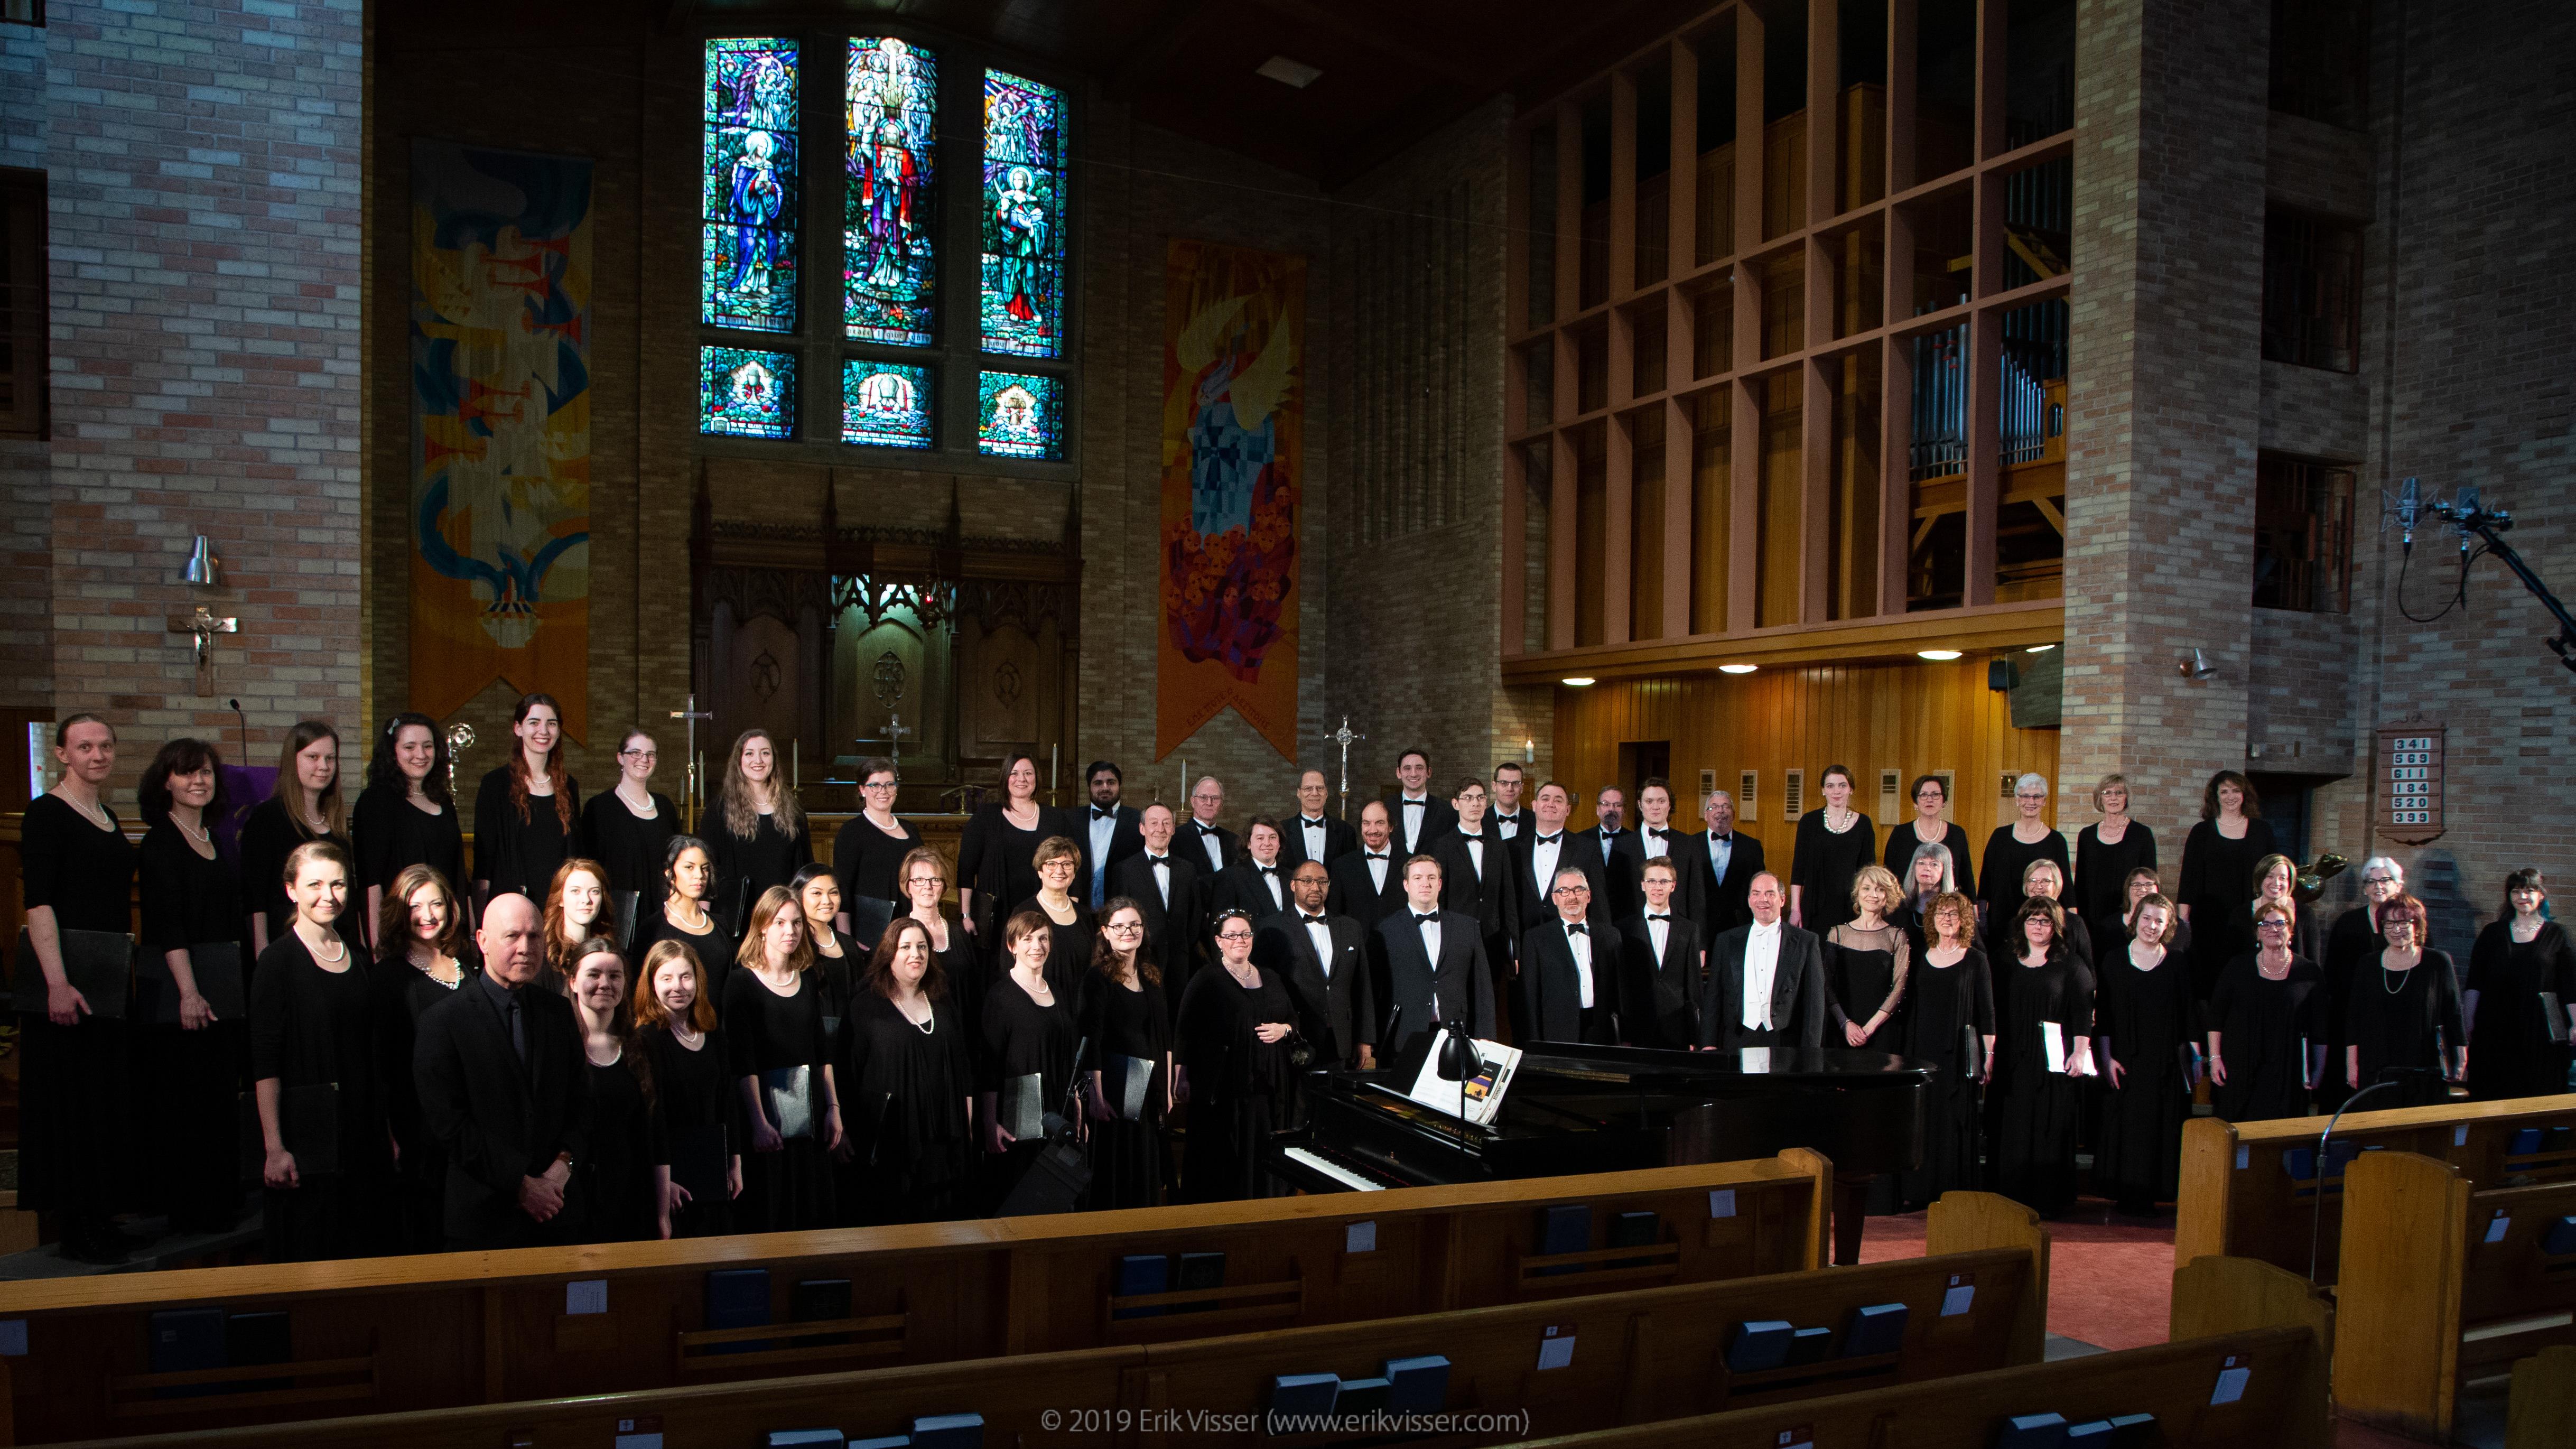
(692, 714)
(1345, 739)
(895, 730)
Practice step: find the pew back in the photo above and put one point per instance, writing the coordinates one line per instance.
(2445, 1285)
(471, 1328)
(2249, 1189)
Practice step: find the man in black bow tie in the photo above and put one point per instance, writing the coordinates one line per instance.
(1717, 869)
(1369, 882)
(1476, 871)
(1659, 965)
(1415, 815)
(1508, 819)
(1312, 834)
(1109, 830)
(1569, 976)
(1617, 849)
(1537, 853)
(1207, 843)
(1434, 966)
(1324, 959)
(1256, 885)
(1171, 889)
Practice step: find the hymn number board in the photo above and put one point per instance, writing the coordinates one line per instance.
(2410, 782)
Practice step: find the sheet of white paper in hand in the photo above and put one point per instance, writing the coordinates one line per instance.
(2054, 1041)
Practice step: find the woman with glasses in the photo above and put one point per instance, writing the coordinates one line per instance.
(1231, 1045)
(2045, 1009)
(2143, 1018)
(2264, 1042)
(1127, 1024)
(627, 829)
(1058, 862)
(1906, 841)
(1954, 994)
(2520, 955)
(867, 856)
(2009, 853)
(2353, 940)
(2217, 889)
(2403, 1014)
(2107, 853)
(2140, 885)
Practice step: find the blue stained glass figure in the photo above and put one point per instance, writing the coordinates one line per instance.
(1022, 291)
(746, 393)
(1021, 415)
(748, 263)
(890, 214)
(885, 404)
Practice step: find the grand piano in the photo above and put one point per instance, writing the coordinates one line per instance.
(1576, 1108)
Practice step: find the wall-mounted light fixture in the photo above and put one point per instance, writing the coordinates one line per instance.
(2195, 665)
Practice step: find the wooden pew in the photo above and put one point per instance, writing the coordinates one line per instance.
(1634, 1355)
(2444, 1285)
(2542, 1413)
(2217, 1295)
(444, 1330)
(2241, 1199)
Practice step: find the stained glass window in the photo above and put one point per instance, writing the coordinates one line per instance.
(747, 253)
(1019, 415)
(885, 404)
(1022, 295)
(744, 392)
(890, 215)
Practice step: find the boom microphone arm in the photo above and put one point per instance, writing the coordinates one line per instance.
(2486, 526)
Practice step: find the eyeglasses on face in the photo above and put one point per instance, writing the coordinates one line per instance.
(878, 785)
(1234, 935)
(2272, 925)
(1572, 891)
(641, 754)
(1123, 927)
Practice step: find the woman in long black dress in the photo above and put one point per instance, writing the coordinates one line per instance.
(1925, 879)
(2140, 885)
(782, 1066)
(2037, 1100)
(2405, 1013)
(2518, 956)
(997, 854)
(618, 1181)
(1126, 1022)
(78, 874)
(2009, 852)
(1230, 1045)
(758, 828)
(527, 813)
(576, 909)
(1953, 993)
(627, 829)
(2105, 853)
(421, 958)
(867, 856)
(2351, 944)
(1029, 1030)
(911, 1082)
(306, 806)
(2264, 1043)
(841, 961)
(2216, 892)
(1866, 961)
(1833, 844)
(313, 1060)
(1906, 839)
(2045, 880)
(1075, 928)
(695, 1103)
(405, 816)
(191, 1068)
(2143, 1022)
(689, 917)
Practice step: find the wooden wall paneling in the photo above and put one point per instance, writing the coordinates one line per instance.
(1900, 110)
(1815, 473)
(1744, 496)
(1993, 20)
(1562, 555)
(1618, 504)
(1623, 189)
(1782, 496)
(1515, 586)
(1896, 431)
(1824, 119)
(1749, 158)
(1985, 462)
(1712, 413)
(1682, 207)
(1517, 321)
(1617, 605)
(1679, 486)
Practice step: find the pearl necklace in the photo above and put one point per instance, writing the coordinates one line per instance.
(333, 960)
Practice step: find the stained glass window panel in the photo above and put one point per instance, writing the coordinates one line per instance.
(885, 404)
(1020, 415)
(748, 253)
(890, 212)
(1022, 291)
(744, 392)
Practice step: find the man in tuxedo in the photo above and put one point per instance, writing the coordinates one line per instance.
(1257, 884)
(1656, 836)
(1568, 975)
(1546, 845)
(1508, 817)
(1167, 886)
(1766, 979)
(1368, 883)
(1109, 830)
(1324, 959)
(1718, 868)
(1659, 966)
(1476, 872)
(1434, 971)
(1314, 835)
(1616, 846)
(505, 1088)
(1417, 818)
(1202, 839)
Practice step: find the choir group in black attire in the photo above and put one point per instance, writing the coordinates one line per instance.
(608, 1029)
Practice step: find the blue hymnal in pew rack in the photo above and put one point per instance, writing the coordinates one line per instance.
(2133, 1431)
(882, 1441)
(1761, 1343)
(1417, 1385)
(2032, 1431)
(738, 1298)
(2560, 1239)
(1876, 1329)
(1809, 1345)
(183, 1340)
(1303, 1393)
(1199, 1271)
(1140, 1274)
(806, 1439)
(1564, 1228)
(948, 1431)
(1361, 1396)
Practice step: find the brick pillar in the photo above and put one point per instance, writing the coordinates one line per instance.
(2163, 400)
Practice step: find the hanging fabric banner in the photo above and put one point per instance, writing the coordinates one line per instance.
(1233, 436)
(500, 374)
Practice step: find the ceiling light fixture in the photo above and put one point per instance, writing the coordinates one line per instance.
(1938, 656)
(1579, 681)
(1737, 668)
(1296, 75)
(2039, 649)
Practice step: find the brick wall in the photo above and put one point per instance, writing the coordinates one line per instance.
(203, 166)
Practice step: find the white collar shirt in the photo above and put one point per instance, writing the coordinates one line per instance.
(1761, 967)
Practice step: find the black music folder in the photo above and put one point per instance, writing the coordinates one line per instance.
(98, 964)
(1023, 1106)
(1972, 1052)
(217, 965)
(869, 918)
(1124, 1084)
(621, 910)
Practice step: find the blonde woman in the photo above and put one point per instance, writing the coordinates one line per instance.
(2106, 851)
(782, 1067)
(1866, 959)
(306, 806)
(758, 830)
(1953, 996)
(2143, 1022)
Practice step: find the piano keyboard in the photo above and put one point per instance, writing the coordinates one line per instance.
(1334, 1170)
